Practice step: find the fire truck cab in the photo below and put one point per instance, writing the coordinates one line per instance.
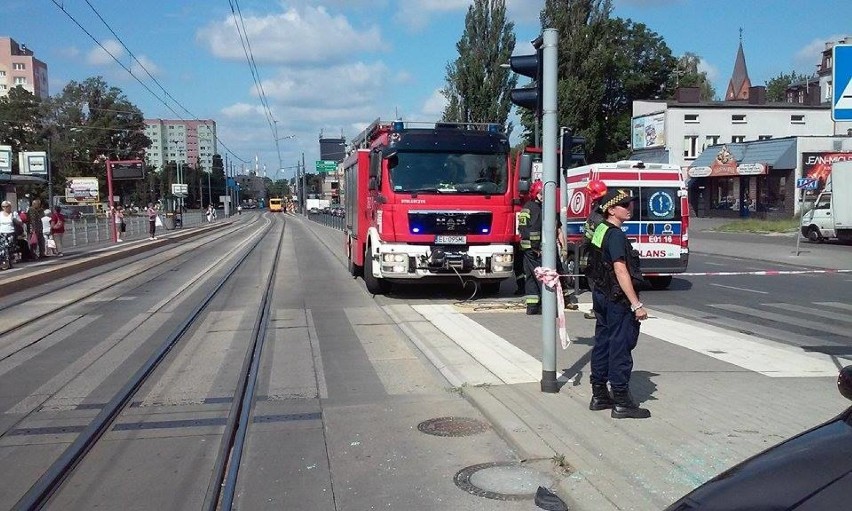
(429, 203)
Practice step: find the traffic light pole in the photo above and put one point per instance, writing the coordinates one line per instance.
(549, 246)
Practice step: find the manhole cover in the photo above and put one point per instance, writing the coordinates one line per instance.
(501, 481)
(452, 426)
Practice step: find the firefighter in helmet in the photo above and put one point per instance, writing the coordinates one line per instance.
(595, 189)
(529, 225)
(614, 269)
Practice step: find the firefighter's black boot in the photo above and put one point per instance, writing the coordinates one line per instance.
(601, 398)
(625, 408)
(519, 287)
(533, 309)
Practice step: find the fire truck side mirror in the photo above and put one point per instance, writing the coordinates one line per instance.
(525, 166)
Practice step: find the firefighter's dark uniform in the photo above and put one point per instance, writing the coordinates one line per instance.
(616, 328)
(529, 225)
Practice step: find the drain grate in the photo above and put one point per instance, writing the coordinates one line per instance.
(452, 426)
(501, 481)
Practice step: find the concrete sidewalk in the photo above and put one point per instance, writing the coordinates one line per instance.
(708, 414)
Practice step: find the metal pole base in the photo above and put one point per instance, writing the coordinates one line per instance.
(548, 382)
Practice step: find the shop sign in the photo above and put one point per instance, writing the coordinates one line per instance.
(818, 165)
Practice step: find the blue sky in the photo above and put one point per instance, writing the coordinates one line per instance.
(333, 66)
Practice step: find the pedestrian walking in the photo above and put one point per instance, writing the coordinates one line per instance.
(614, 269)
(10, 226)
(49, 244)
(118, 221)
(36, 237)
(57, 228)
(151, 211)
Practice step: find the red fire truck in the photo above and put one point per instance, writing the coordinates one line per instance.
(430, 203)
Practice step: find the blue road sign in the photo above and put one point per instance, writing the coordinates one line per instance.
(807, 183)
(841, 79)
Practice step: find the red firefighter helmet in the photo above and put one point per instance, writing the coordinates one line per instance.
(536, 189)
(596, 189)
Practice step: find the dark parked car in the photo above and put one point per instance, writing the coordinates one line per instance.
(811, 471)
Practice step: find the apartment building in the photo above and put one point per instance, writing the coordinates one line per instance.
(754, 147)
(186, 142)
(18, 67)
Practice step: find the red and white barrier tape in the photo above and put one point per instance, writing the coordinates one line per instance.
(732, 273)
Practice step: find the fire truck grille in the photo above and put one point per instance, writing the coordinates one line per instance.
(449, 222)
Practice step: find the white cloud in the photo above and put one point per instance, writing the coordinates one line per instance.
(145, 62)
(416, 15)
(806, 59)
(309, 35)
(434, 105)
(70, 52)
(98, 55)
(710, 69)
(334, 87)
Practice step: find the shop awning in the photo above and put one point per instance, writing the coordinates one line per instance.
(745, 159)
(17, 179)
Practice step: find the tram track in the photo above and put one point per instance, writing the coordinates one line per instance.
(220, 490)
(22, 313)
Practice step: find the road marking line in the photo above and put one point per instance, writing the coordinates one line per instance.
(739, 288)
(836, 305)
(784, 318)
(763, 356)
(505, 360)
(845, 318)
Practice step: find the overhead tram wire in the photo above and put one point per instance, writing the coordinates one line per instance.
(130, 72)
(247, 50)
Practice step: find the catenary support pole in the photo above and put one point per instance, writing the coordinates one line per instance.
(548, 235)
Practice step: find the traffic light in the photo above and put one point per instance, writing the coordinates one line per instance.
(573, 148)
(529, 66)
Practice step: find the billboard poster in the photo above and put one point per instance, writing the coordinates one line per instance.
(648, 131)
(32, 162)
(82, 190)
(818, 165)
(6, 158)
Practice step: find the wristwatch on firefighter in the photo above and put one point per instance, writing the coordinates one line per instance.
(634, 308)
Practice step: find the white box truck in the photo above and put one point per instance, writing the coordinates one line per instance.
(831, 216)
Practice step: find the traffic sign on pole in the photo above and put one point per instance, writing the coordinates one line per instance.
(326, 166)
(841, 79)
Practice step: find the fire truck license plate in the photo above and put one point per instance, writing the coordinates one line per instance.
(443, 239)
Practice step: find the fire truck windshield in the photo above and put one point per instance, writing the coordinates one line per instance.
(448, 173)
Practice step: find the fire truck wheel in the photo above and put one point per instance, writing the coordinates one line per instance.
(660, 282)
(374, 286)
(354, 269)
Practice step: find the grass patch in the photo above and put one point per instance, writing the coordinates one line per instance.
(760, 226)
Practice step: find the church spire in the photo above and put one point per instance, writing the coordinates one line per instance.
(740, 83)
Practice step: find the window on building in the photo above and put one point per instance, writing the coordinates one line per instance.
(710, 140)
(764, 137)
(690, 118)
(2, 86)
(724, 193)
(20, 80)
(690, 147)
(2, 73)
(736, 139)
(18, 66)
(738, 119)
(797, 119)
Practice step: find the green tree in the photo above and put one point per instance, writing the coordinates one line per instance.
(91, 122)
(776, 87)
(478, 86)
(21, 116)
(687, 74)
(604, 65)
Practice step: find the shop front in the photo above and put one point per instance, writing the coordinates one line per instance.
(729, 182)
